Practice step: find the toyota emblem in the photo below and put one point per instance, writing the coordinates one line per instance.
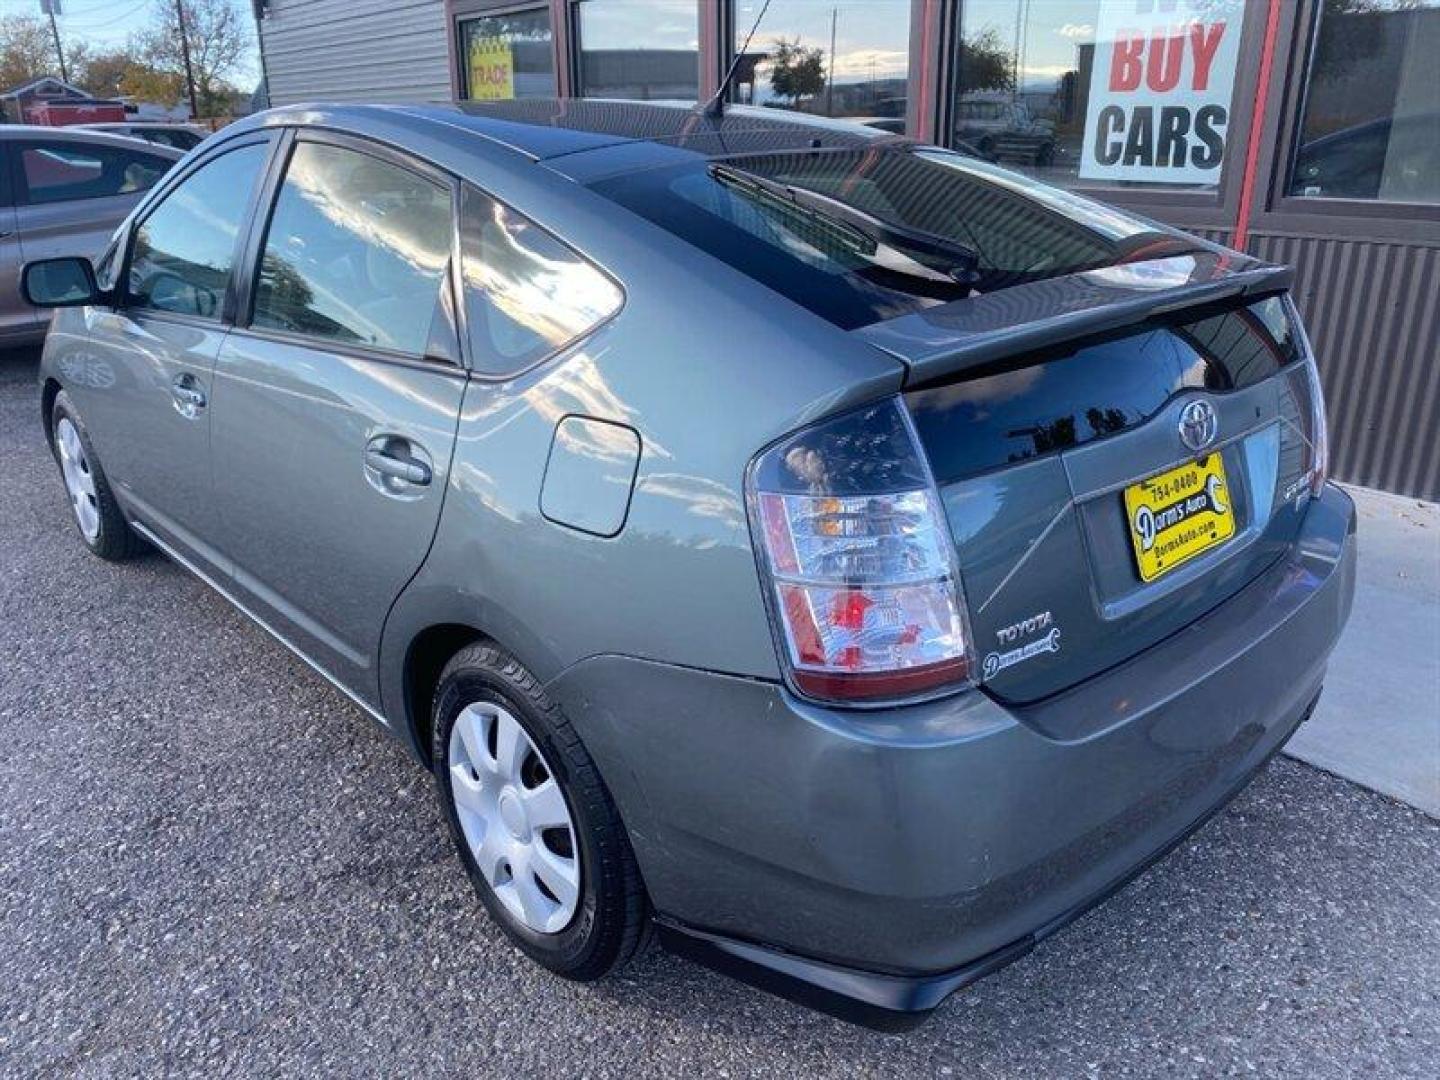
(1198, 425)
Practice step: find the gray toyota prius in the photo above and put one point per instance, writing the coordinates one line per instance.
(846, 557)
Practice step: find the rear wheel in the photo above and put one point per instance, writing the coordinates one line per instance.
(535, 826)
(101, 523)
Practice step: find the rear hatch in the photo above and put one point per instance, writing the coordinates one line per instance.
(1053, 416)
(1052, 347)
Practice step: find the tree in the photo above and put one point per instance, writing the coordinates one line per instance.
(102, 73)
(218, 39)
(796, 71)
(27, 51)
(985, 64)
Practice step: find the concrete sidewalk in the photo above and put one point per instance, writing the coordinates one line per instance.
(1378, 722)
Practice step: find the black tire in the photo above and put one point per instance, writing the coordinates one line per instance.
(115, 540)
(612, 923)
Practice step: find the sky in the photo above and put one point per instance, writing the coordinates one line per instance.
(105, 24)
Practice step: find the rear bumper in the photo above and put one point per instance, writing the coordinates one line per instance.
(873, 862)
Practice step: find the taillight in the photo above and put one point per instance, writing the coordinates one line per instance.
(1319, 430)
(1318, 462)
(859, 561)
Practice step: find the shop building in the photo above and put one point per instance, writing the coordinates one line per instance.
(1301, 131)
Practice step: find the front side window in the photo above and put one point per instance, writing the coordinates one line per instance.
(848, 59)
(645, 50)
(526, 293)
(1370, 126)
(1109, 92)
(508, 56)
(185, 248)
(356, 252)
(63, 171)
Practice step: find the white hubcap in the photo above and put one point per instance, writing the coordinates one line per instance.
(514, 817)
(79, 480)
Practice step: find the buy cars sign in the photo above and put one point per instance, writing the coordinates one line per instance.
(1160, 90)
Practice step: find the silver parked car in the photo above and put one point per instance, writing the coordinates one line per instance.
(62, 192)
(182, 137)
(849, 557)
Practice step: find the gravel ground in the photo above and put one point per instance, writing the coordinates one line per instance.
(211, 862)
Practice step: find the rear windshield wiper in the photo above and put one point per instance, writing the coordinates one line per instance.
(961, 263)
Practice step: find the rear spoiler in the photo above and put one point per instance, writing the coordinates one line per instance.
(979, 332)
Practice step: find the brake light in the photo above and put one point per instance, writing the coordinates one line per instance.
(859, 561)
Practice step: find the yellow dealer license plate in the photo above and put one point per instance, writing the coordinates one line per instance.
(1178, 515)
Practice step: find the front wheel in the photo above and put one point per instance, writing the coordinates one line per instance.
(98, 516)
(536, 829)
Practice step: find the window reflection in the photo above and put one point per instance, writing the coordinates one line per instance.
(1099, 390)
(526, 294)
(646, 50)
(1371, 125)
(847, 59)
(184, 250)
(356, 251)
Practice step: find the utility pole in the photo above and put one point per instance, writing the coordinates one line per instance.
(830, 82)
(185, 55)
(51, 7)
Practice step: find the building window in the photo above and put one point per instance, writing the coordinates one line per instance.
(1370, 126)
(646, 50)
(1114, 92)
(508, 56)
(842, 58)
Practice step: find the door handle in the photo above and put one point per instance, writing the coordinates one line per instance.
(397, 459)
(189, 398)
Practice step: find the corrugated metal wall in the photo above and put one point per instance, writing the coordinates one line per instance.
(1373, 313)
(356, 50)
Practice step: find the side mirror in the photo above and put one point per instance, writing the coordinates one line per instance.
(67, 282)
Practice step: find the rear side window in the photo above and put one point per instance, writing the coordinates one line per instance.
(63, 171)
(185, 248)
(356, 252)
(526, 294)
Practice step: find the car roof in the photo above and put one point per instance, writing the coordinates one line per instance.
(76, 133)
(162, 125)
(546, 128)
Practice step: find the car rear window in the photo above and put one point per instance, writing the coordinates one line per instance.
(859, 236)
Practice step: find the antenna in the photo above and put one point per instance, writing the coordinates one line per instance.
(716, 105)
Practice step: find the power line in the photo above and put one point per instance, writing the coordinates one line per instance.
(72, 24)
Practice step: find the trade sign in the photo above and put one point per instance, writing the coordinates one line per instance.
(492, 69)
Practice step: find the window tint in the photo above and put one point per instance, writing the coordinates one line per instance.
(356, 251)
(526, 293)
(185, 248)
(1371, 122)
(60, 171)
